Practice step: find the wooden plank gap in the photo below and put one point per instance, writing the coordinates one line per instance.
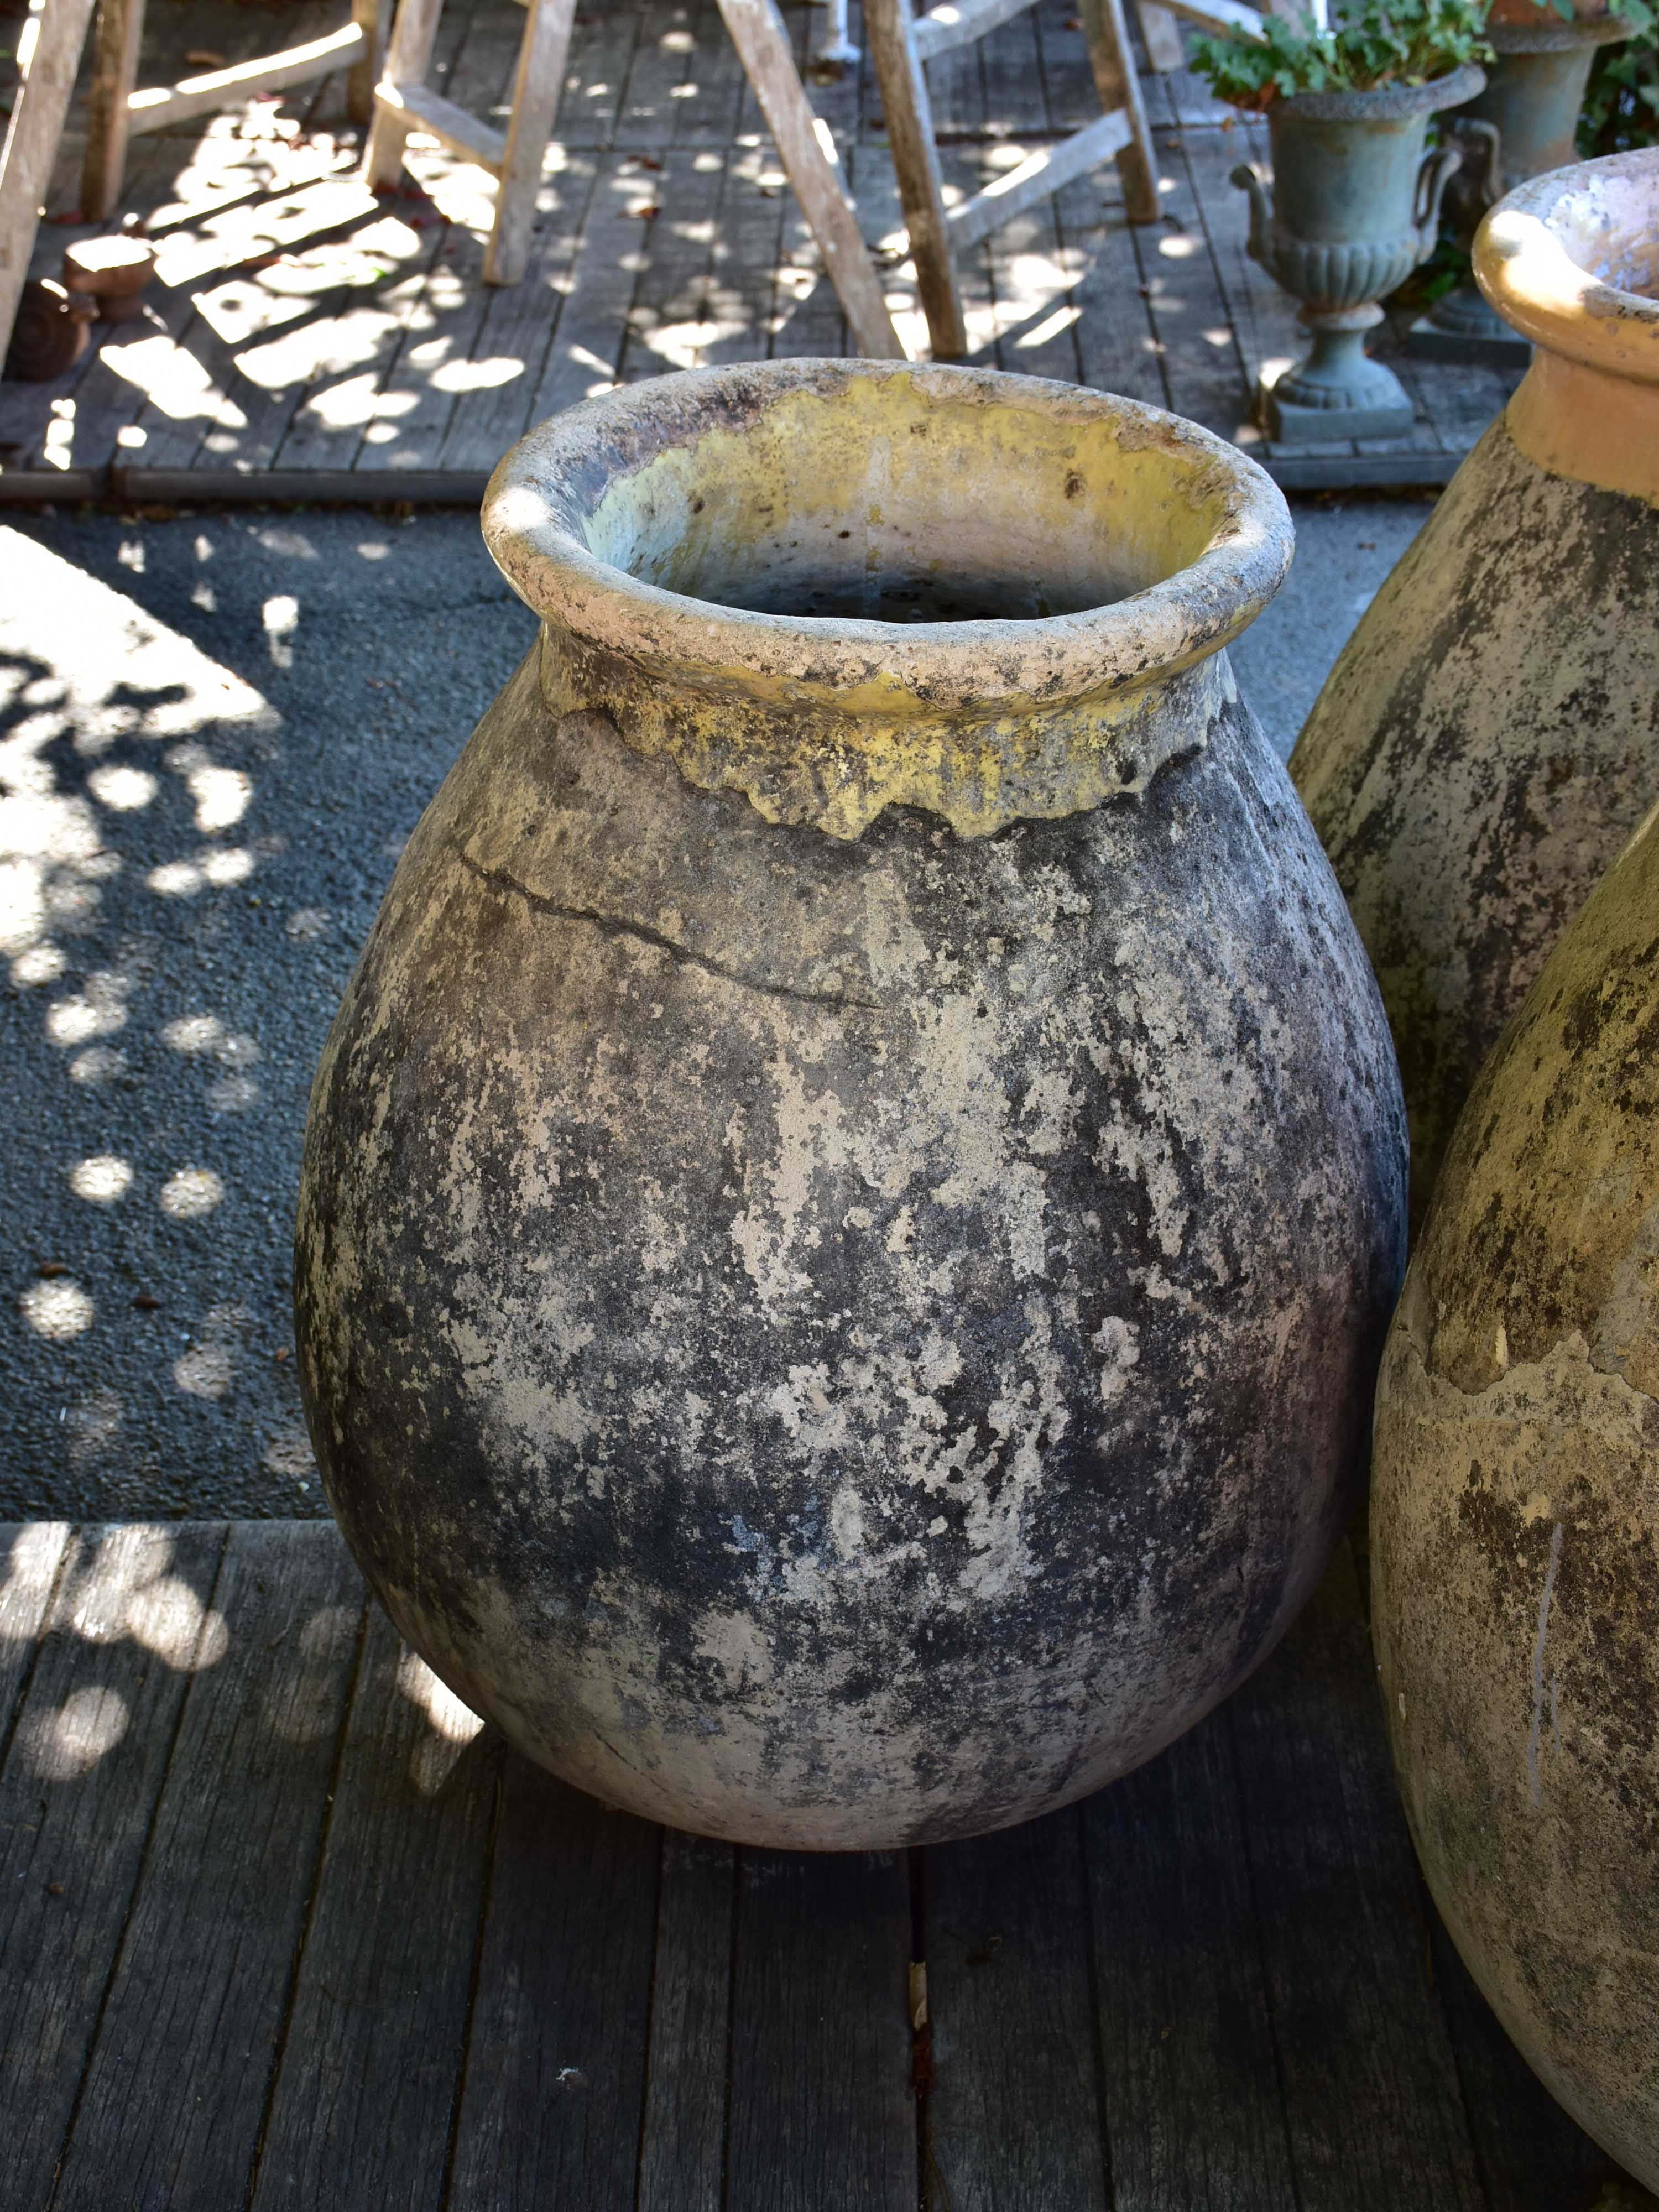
(27, 1599)
(1091, 1961)
(138, 1882)
(296, 1960)
(486, 1897)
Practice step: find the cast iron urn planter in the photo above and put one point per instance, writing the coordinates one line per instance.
(851, 1204)
(1356, 207)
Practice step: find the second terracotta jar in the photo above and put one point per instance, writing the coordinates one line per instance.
(1490, 737)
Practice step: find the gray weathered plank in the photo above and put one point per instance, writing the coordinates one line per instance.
(1016, 2121)
(1035, 274)
(35, 1553)
(1189, 312)
(711, 94)
(1186, 2037)
(663, 47)
(1373, 2105)
(821, 2116)
(521, 324)
(1118, 349)
(683, 2142)
(77, 1798)
(665, 322)
(741, 302)
(371, 2062)
(180, 2070)
(588, 345)
(555, 2083)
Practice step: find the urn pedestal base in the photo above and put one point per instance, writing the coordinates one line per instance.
(1462, 327)
(1338, 391)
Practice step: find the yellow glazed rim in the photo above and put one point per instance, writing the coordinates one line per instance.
(1556, 258)
(542, 506)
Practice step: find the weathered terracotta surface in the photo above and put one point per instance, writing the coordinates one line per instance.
(1490, 737)
(1515, 1523)
(851, 1205)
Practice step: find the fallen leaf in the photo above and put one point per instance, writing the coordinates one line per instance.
(645, 210)
(145, 1303)
(206, 56)
(54, 1889)
(49, 1270)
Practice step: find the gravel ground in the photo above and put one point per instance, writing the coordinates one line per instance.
(216, 731)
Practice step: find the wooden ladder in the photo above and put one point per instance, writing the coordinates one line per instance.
(902, 46)
(404, 102)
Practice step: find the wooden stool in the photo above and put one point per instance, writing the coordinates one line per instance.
(46, 63)
(807, 151)
(901, 46)
(403, 103)
(118, 113)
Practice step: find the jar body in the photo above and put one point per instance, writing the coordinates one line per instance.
(1514, 1526)
(1483, 747)
(840, 1342)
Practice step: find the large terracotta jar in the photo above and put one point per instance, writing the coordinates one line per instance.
(851, 1205)
(1515, 1523)
(1490, 736)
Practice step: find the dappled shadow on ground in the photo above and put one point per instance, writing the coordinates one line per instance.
(216, 734)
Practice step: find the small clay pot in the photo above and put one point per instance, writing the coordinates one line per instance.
(114, 272)
(50, 334)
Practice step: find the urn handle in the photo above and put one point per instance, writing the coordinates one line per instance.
(1248, 178)
(1480, 138)
(1439, 168)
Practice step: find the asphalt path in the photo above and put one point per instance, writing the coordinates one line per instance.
(216, 731)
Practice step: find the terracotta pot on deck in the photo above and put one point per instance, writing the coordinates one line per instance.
(1490, 736)
(850, 1205)
(1515, 1523)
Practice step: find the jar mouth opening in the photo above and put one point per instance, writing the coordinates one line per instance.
(1571, 260)
(821, 522)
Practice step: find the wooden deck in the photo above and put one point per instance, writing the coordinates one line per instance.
(285, 1929)
(306, 342)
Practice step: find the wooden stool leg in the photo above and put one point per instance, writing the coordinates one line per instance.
(1112, 61)
(1160, 34)
(813, 168)
(371, 17)
(536, 84)
(916, 162)
(115, 72)
(38, 110)
(408, 58)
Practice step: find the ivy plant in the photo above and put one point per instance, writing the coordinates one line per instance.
(1381, 43)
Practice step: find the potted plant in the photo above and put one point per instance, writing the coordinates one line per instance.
(1356, 200)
